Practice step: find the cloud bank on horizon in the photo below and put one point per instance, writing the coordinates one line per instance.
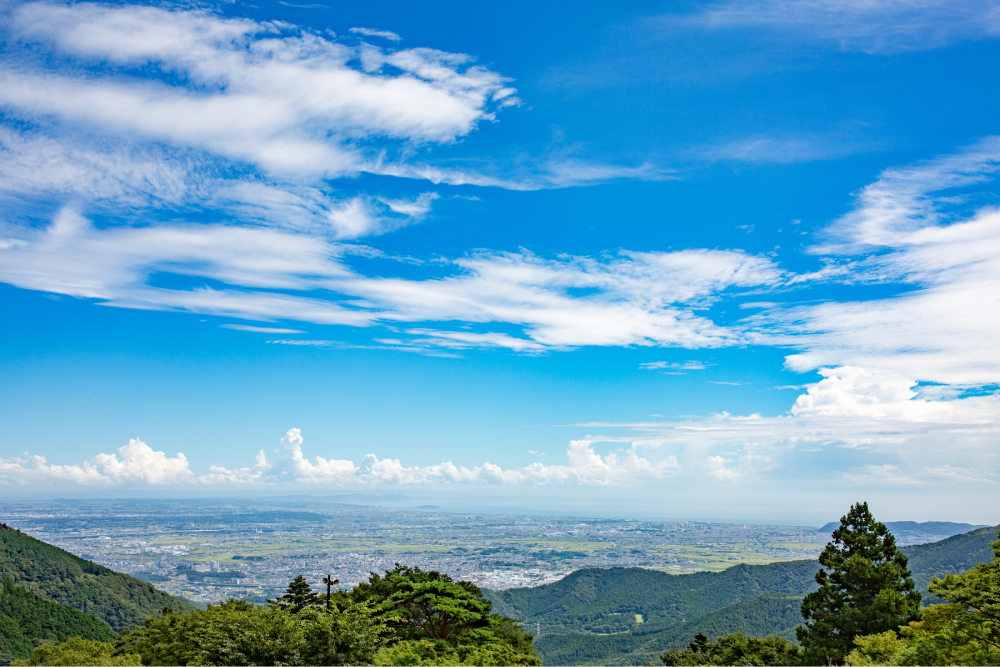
(158, 157)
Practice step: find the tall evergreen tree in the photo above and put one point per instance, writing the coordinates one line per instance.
(864, 589)
(298, 596)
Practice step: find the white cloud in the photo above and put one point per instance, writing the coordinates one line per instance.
(140, 114)
(384, 34)
(944, 329)
(674, 367)
(892, 210)
(890, 26)
(716, 466)
(779, 150)
(269, 330)
(285, 100)
(631, 298)
(135, 463)
(875, 415)
(879, 475)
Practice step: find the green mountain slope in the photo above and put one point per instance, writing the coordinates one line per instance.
(118, 599)
(904, 529)
(26, 619)
(762, 615)
(951, 556)
(608, 600)
(590, 616)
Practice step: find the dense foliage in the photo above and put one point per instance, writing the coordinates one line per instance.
(864, 588)
(242, 633)
(297, 597)
(974, 600)
(735, 649)
(437, 620)
(27, 620)
(79, 651)
(966, 631)
(118, 599)
(406, 617)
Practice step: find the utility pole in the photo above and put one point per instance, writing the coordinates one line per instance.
(329, 581)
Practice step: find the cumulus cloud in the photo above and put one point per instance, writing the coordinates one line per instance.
(872, 414)
(135, 463)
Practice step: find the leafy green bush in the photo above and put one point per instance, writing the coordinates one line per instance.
(434, 618)
(242, 633)
(426, 652)
(78, 651)
(735, 649)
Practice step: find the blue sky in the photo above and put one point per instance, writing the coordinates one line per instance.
(735, 259)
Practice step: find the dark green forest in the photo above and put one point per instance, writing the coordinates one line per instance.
(57, 575)
(27, 620)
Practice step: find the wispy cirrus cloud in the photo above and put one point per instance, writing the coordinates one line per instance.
(778, 149)
(253, 329)
(674, 367)
(630, 298)
(384, 34)
(282, 99)
(859, 25)
(926, 233)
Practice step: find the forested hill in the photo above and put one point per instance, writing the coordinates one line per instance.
(26, 619)
(54, 574)
(608, 600)
(951, 556)
(759, 616)
(629, 615)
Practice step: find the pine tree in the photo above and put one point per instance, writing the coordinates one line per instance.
(864, 589)
(298, 596)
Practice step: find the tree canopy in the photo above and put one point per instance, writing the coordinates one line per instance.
(437, 620)
(298, 596)
(864, 589)
(734, 649)
(242, 633)
(974, 598)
